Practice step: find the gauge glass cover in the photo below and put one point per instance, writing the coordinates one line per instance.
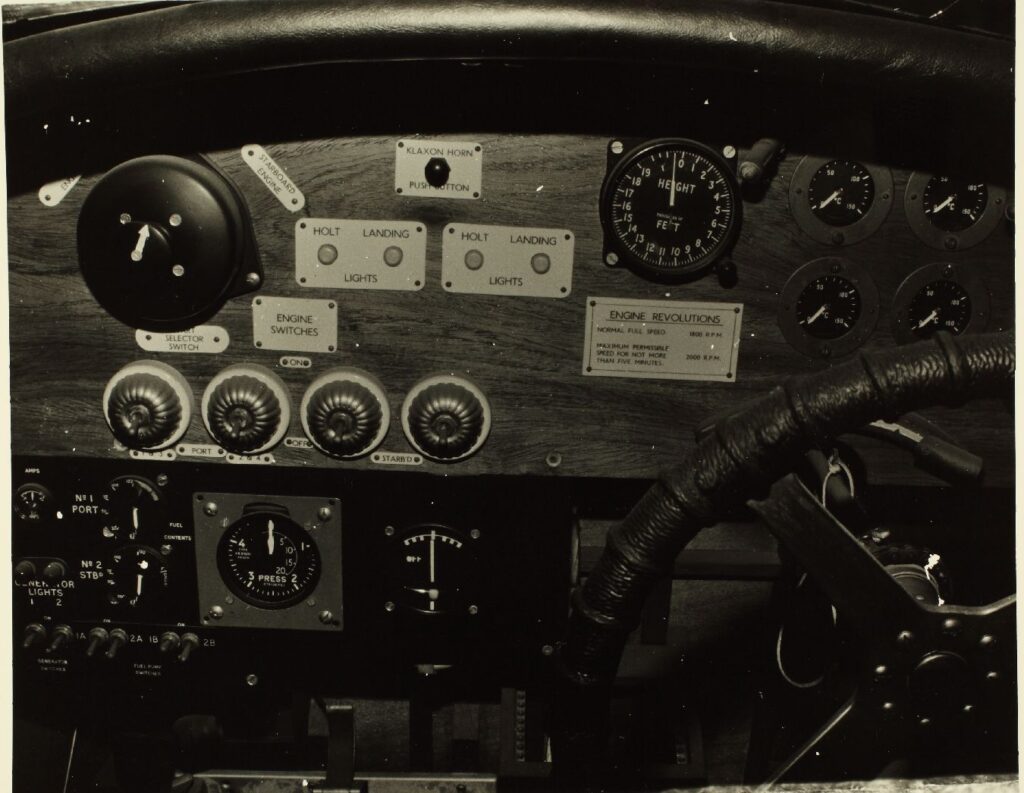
(828, 307)
(954, 205)
(841, 192)
(939, 305)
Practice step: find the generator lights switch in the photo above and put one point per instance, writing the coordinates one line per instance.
(507, 260)
(360, 254)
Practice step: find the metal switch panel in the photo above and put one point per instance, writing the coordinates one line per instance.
(360, 254)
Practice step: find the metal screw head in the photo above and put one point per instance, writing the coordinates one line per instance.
(968, 708)
(951, 626)
(474, 610)
(950, 243)
(611, 259)
(325, 617)
(547, 649)
(175, 219)
(553, 460)
(324, 513)
(905, 637)
(389, 606)
(993, 676)
(925, 721)
(988, 641)
(228, 599)
(210, 508)
(838, 238)
(165, 549)
(474, 534)
(389, 531)
(251, 680)
(125, 218)
(252, 279)
(616, 147)
(162, 480)
(729, 152)
(881, 670)
(216, 612)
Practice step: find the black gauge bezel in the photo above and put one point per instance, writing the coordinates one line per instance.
(940, 239)
(789, 323)
(618, 254)
(468, 593)
(819, 230)
(965, 276)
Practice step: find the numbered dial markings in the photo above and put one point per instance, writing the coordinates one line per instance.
(269, 560)
(841, 192)
(940, 305)
(135, 574)
(131, 508)
(953, 205)
(434, 570)
(671, 208)
(828, 307)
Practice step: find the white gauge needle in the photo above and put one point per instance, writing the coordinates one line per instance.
(943, 205)
(138, 585)
(672, 192)
(816, 314)
(135, 518)
(830, 199)
(433, 594)
(270, 537)
(433, 538)
(140, 245)
(933, 317)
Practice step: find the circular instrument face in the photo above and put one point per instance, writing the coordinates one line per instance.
(939, 305)
(268, 560)
(32, 503)
(670, 208)
(131, 507)
(434, 570)
(841, 192)
(953, 205)
(135, 574)
(828, 307)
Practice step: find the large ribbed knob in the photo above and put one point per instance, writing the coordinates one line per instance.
(147, 405)
(246, 409)
(446, 418)
(345, 413)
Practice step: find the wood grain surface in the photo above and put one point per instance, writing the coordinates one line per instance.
(525, 353)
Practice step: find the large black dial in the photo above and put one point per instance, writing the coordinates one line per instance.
(953, 205)
(828, 307)
(841, 192)
(939, 305)
(669, 209)
(135, 574)
(268, 560)
(131, 508)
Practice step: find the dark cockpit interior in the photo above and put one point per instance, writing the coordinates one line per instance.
(460, 397)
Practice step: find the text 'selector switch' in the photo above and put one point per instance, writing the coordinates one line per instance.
(507, 260)
(360, 254)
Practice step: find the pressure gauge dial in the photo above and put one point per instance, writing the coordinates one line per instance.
(828, 307)
(952, 214)
(839, 201)
(938, 297)
(268, 560)
(669, 208)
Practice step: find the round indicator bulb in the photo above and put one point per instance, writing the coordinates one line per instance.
(953, 205)
(940, 305)
(828, 307)
(841, 192)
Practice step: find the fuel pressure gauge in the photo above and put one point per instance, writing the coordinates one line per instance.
(938, 297)
(828, 307)
(839, 201)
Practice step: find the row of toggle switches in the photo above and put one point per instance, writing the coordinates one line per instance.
(102, 640)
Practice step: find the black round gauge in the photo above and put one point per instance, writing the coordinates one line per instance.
(131, 507)
(135, 574)
(952, 204)
(838, 201)
(841, 192)
(32, 503)
(952, 214)
(434, 570)
(938, 297)
(669, 208)
(828, 307)
(268, 560)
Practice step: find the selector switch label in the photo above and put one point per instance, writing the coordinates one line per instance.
(200, 339)
(295, 324)
(662, 339)
(360, 254)
(507, 260)
(438, 168)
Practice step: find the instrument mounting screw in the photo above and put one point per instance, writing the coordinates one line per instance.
(474, 534)
(993, 676)
(611, 259)
(888, 706)
(881, 670)
(165, 549)
(905, 637)
(925, 721)
(216, 612)
(251, 680)
(210, 508)
(968, 708)
(389, 606)
(951, 626)
(729, 152)
(474, 610)
(162, 480)
(389, 531)
(325, 617)
(252, 279)
(616, 147)
(547, 649)
(324, 513)
(553, 460)
(987, 641)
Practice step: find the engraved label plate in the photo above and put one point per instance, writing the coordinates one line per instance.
(360, 254)
(396, 458)
(507, 260)
(53, 193)
(298, 443)
(662, 339)
(202, 338)
(295, 362)
(165, 454)
(254, 459)
(295, 324)
(455, 167)
(207, 451)
(273, 177)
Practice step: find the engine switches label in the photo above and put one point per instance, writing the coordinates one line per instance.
(438, 168)
(507, 260)
(294, 324)
(360, 254)
(662, 339)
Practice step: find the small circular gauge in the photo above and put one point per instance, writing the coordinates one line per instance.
(939, 297)
(669, 208)
(268, 560)
(839, 201)
(32, 503)
(434, 570)
(841, 192)
(952, 214)
(131, 506)
(828, 307)
(135, 574)
(953, 205)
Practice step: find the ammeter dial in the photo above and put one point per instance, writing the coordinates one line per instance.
(828, 307)
(268, 560)
(135, 574)
(952, 204)
(938, 297)
(32, 503)
(131, 507)
(434, 571)
(669, 208)
(841, 192)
